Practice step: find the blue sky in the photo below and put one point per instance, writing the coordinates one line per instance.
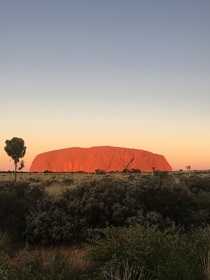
(122, 73)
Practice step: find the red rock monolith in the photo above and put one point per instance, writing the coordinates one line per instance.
(104, 158)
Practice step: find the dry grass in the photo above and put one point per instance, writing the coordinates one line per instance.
(71, 260)
(56, 189)
(78, 178)
(58, 179)
(5, 242)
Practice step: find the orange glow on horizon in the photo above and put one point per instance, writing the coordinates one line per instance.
(197, 162)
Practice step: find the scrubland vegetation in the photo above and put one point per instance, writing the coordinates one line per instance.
(131, 226)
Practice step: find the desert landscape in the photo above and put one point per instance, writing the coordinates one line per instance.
(104, 143)
(101, 225)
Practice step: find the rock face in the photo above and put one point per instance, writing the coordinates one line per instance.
(104, 158)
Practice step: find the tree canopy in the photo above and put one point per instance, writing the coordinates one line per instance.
(16, 149)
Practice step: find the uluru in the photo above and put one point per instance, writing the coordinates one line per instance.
(106, 158)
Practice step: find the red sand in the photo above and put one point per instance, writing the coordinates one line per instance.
(104, 158)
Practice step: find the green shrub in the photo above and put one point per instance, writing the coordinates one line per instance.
(6, 269)
(43, 264)
(15, 202)
(12, 211)
(5, 242)
(163, 255)
(125, 271)
(68, 181)
(75, 213)
(198, 183)
(161, 174)
(170, 200)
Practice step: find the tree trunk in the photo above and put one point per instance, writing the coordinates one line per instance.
(15, 172)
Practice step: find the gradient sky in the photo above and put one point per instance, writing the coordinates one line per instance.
(123, 73)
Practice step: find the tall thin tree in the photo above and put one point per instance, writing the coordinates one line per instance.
(16, 149)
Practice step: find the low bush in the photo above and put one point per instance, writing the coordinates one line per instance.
(167, 254)
(68, 181)
(15, 201)
(44, 264)
(40, 212)
(74, 214)
(5, 242)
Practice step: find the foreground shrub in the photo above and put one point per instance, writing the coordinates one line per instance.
(46, 223)
(5, 242)
(161, 255)
(44, 264)
(125, 271)
(6, 269)
(12, 210)
(15, 202)
(74, 215)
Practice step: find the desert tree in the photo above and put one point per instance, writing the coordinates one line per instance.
(188, 167)
(16, 149)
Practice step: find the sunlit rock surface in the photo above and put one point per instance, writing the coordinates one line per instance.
(104, 158)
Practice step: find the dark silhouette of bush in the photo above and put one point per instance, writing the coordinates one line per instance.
(198, 183)
(171, 200)
(161, 174)
(17, 199)
(74, 216)
(68, 181)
